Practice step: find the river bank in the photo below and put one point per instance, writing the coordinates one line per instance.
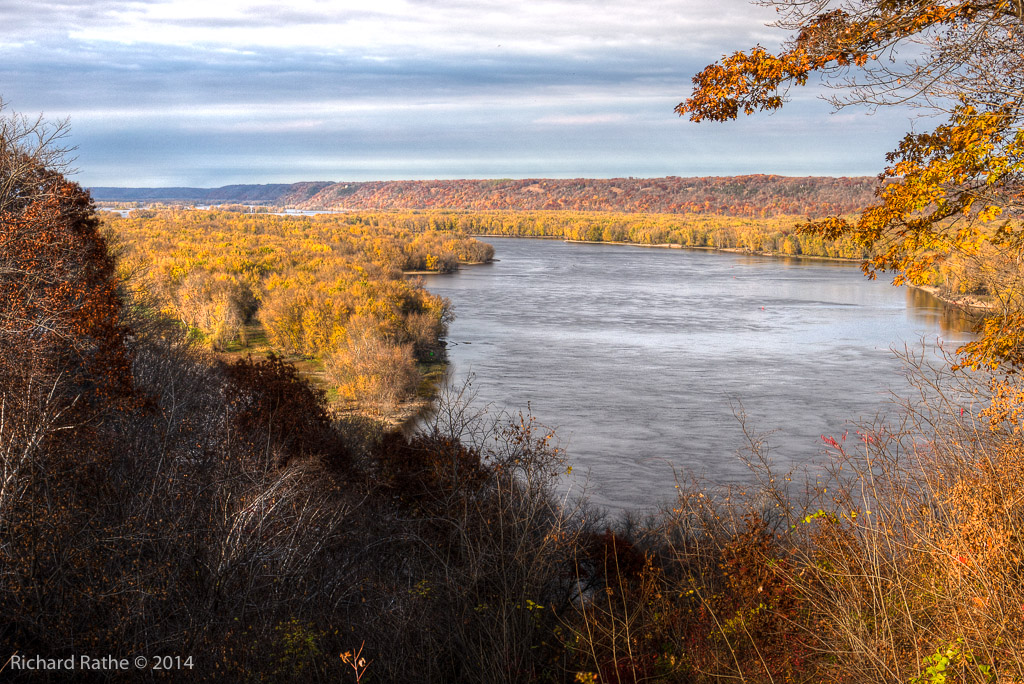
(972, 304)
(672, 245)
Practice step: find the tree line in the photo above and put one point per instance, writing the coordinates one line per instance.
(776, 235)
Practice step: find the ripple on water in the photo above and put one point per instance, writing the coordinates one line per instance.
(641, 357)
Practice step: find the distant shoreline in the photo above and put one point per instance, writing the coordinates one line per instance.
(731, 250)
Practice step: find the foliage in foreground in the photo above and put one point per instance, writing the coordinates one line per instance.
(957, 190)
(901, 564)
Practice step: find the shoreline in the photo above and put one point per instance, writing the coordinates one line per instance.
(970, 304)
(457, 268)
(731, 250)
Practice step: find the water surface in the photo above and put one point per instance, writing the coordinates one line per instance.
(642, 357)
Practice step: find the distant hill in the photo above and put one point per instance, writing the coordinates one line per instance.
(756, 195)
(280, 194)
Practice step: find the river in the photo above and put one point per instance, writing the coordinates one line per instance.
(641, 358)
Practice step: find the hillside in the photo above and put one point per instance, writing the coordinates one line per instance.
(278, 194)
(749, 196)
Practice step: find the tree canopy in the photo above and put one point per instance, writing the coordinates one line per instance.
(59, 310)
(957, 189)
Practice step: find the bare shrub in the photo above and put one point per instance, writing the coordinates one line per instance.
(917, 561)
(479, 490)
(373, 371)
(898, 561)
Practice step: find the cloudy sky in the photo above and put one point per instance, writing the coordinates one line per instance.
(212, 92)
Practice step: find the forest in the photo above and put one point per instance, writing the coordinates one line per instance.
(974, 278)
(328, 288)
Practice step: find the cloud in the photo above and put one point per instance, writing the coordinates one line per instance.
(454, 27)
(184, 90)
(56, 17)
(580, 119)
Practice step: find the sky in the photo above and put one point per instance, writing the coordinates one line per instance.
(214, 92)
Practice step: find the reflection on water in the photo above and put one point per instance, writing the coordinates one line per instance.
(932, 312)
(641, 358)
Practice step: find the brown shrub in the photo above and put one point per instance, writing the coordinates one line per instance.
(372, 371)
(269, 403)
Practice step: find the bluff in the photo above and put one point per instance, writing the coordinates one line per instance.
(751, 196)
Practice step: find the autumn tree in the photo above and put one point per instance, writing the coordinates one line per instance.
(957, 190)
(62, 353)
(65, 380)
